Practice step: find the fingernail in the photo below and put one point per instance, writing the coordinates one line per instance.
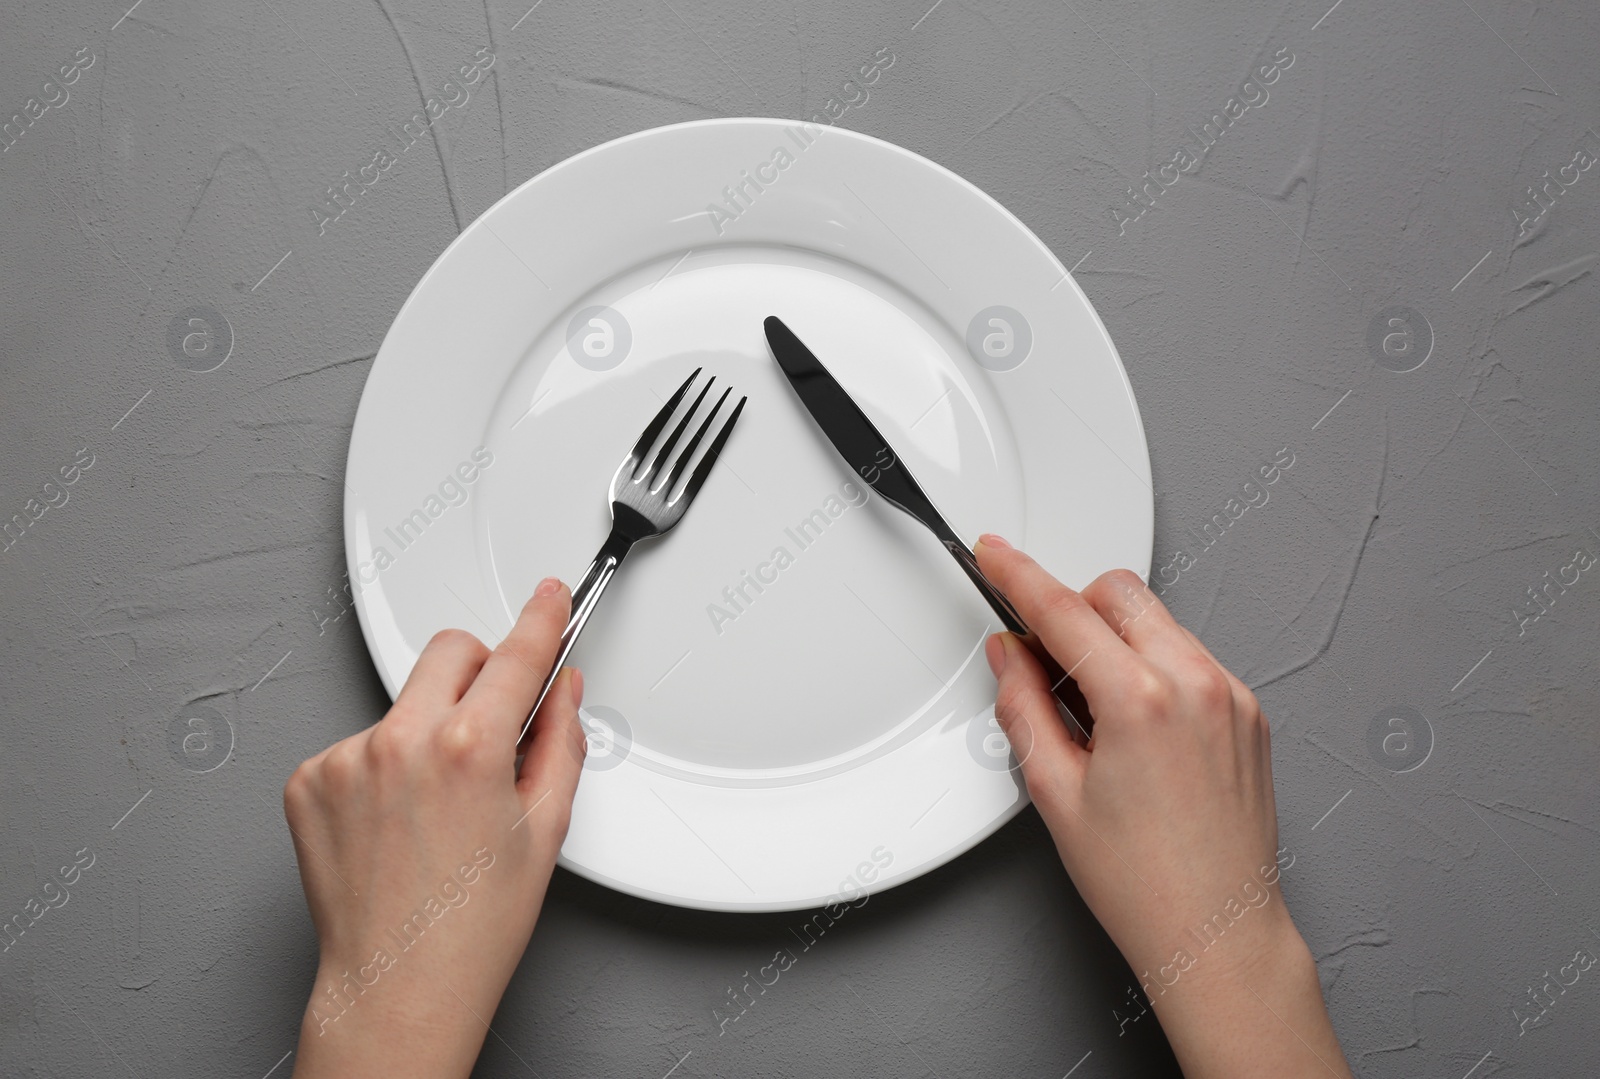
(994, 650)
(992, 540)
(547, 587)
(577, 686)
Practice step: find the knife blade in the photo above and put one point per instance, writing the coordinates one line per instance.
(870, 456)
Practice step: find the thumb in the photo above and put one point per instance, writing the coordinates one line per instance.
(1053, 764)
(556, 746)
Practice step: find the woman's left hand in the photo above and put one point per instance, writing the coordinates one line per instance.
(425, 851)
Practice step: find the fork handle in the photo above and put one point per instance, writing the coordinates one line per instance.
(585, 596)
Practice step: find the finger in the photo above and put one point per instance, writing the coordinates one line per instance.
(1242, 694)
(1070, 629)
(448, 664)
(556, 746)
(1138, 615)
(1198, 643)
(1052, 762)
(513, 674)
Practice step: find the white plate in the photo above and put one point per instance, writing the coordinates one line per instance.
(832, 732)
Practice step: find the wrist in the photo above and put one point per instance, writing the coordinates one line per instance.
(1270, 948)
(371, 1019)
(1196, 964)
(1185, 950)
(1254, 1008)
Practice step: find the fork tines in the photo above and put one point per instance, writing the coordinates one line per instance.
(651, 476)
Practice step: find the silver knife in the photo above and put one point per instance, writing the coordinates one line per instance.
(866, 451)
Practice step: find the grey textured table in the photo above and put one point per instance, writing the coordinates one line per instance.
(1414, 602)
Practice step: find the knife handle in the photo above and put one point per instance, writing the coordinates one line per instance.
(1069, 699)
(997, 599)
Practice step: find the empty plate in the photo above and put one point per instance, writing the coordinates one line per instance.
(786, 697)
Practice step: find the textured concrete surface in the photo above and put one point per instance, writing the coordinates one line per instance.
(1419, 561)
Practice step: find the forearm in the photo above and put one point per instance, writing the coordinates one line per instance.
(1257, 1015)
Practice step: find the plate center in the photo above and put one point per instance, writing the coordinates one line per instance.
(793, 623)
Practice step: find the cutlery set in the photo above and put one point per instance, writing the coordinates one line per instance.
(647, 502)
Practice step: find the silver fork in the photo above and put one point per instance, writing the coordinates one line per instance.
(641, 506)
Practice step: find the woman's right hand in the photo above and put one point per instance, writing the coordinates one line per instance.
(1165, 820)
